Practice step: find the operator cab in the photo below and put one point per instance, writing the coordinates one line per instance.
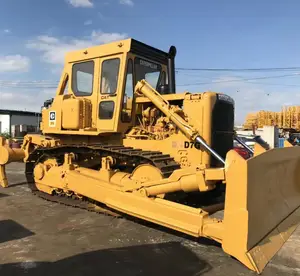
(96, 91)
(155, 66)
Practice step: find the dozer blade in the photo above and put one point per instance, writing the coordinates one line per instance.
(262, 204)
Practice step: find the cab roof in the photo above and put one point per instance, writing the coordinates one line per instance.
(118, 47)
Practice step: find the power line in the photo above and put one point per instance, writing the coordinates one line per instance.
(31, 81)
(28, 84)
(275, 84)
(178, 69)
(240, 80)
(239, 70)
(48, 84)
(28, 87)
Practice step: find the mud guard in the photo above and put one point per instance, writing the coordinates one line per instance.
(262, 204)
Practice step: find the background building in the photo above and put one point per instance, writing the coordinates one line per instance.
(16, 123)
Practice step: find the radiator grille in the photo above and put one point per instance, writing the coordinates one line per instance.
(222, 128)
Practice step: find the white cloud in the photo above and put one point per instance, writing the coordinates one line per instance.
(99, 37)
(127, 2)
(48, 39)
(81, 3)
(54, 49)
(101, 16)
(7, 31)
(250, 97)
(28, 99)
(14, 63)
(88, 22)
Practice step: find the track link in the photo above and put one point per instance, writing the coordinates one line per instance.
(81, 204)
(133, 156)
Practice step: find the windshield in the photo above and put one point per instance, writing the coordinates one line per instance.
(147, 70)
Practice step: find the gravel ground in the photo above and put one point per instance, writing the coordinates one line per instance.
(38, 237)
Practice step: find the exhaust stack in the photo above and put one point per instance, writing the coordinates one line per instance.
(171, 69)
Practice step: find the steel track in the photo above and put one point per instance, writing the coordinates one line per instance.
(133, 157)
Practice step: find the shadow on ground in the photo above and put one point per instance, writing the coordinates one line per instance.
(17, 184)
(11, 230)
(3, 195)
(164, 229)
(160, 259)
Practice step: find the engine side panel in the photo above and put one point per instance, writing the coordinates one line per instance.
(210, 116)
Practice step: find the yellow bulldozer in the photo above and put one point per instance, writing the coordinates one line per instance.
(117, 136)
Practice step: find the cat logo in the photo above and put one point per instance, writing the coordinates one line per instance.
(52, 119)
(148, 64)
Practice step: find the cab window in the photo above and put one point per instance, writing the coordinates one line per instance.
(128, 93)
(82, 78)
(163, 80)
(109, 76)
(147, 70)
(106, 110)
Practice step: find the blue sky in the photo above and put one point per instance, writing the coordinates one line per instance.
(35, 34)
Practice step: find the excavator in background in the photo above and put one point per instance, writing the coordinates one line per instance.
(117, 136)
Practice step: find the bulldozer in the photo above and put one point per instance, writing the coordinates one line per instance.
(119, 139)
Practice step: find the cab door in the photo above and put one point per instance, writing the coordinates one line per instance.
(109, 93)
(128, 99)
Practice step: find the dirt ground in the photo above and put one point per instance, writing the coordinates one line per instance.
(38, 237)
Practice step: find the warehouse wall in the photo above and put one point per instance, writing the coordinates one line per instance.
(24, 120)
(5, 124)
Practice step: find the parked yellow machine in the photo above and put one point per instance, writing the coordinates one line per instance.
(287, 119)
(118, 135)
